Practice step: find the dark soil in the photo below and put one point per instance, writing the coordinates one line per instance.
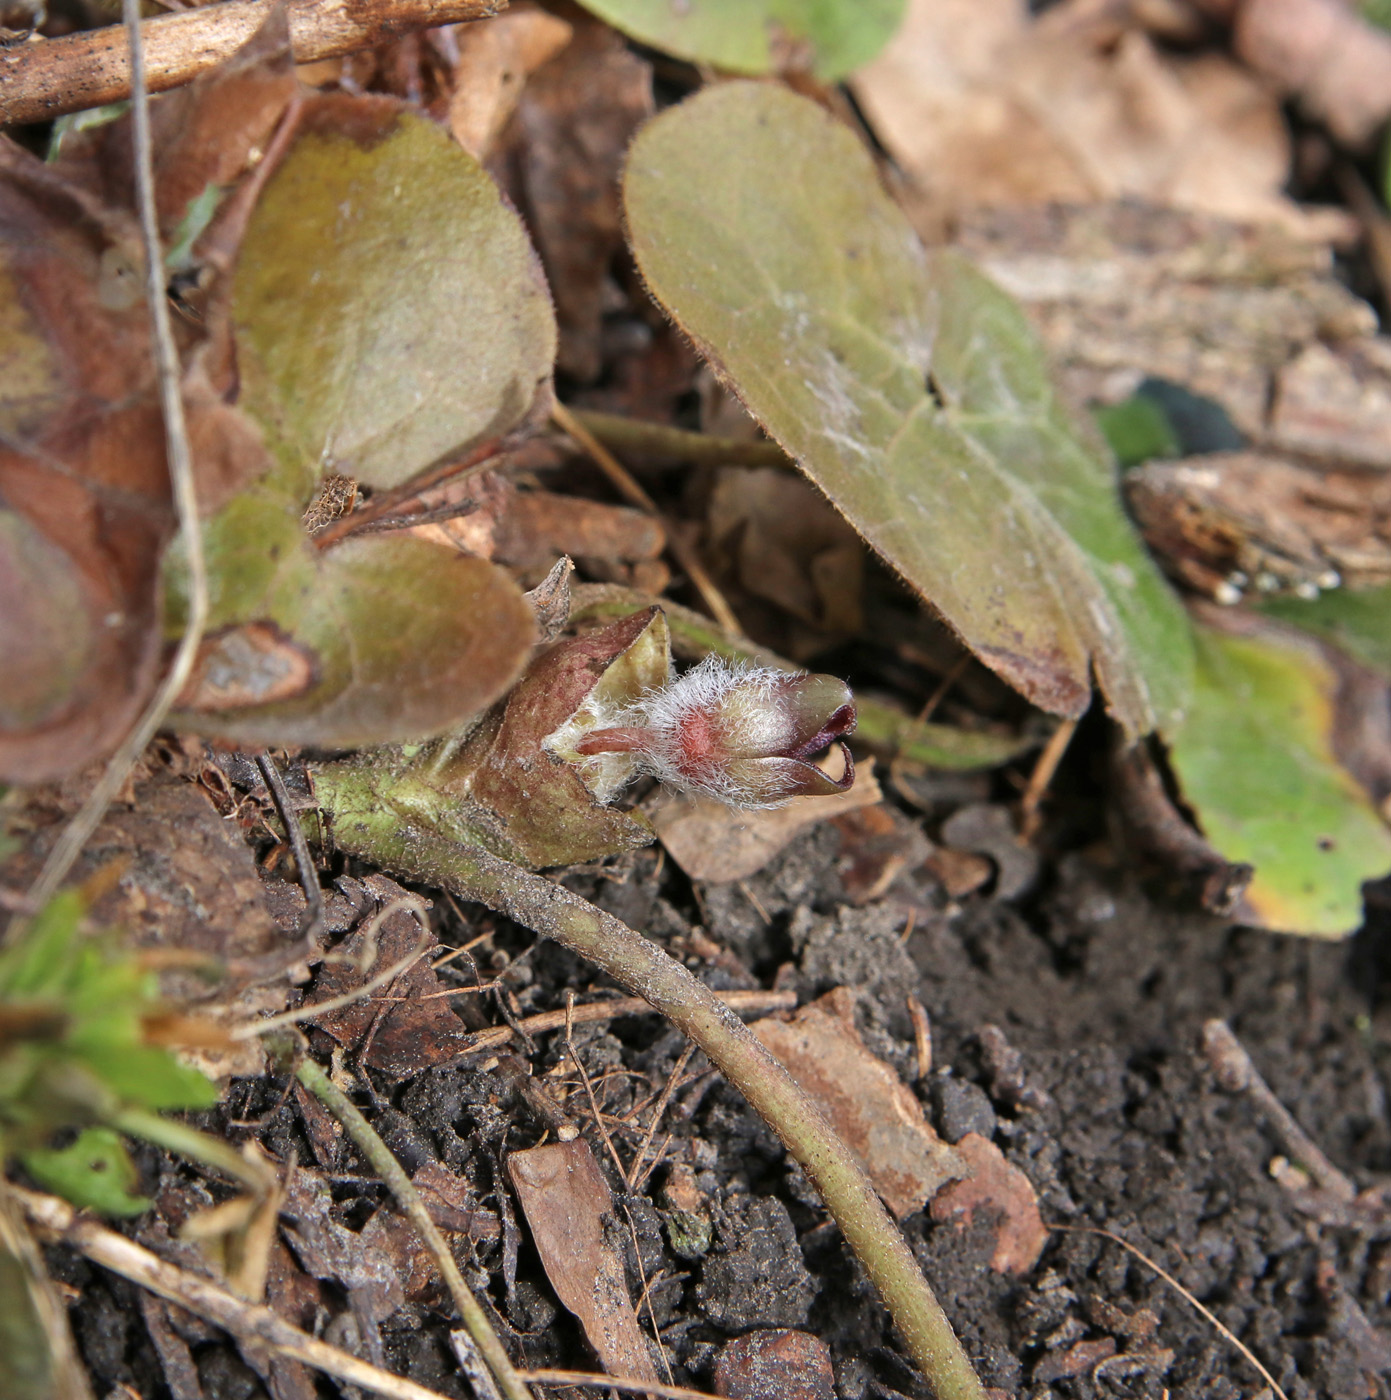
(1066, 1024)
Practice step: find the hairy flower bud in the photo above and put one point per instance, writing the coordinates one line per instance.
(742, 735)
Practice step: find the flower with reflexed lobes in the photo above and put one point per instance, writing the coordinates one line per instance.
(741, 734)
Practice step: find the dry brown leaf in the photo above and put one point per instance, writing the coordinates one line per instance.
(983, 106)
(871, 1109)
(560, 157)
(711, 841)
(495, 58)
(789, 546)
(82, 462)
(208, 133)
(876, 845)
(404, 1027)
(569, 1208)
(1334, 404)
(1225, 520)
(1323, 51)
(994, 1185)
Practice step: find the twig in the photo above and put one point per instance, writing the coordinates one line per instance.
(645, 969)
(746, 1002)
(29, 1289)
(311, 925)
(1044, 767)
(679, 444)
(1238, 1075)
(1183, 1293)
(922, 1035)
(75, 835)
(248, 1322)
(622, 479)
(46, 78)
(408, 1198)
(633, 1178)
(622, 1383)
(589, 1089)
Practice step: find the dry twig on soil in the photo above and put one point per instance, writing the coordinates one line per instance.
(384, 1163)
(45, 78)
(58, 1222)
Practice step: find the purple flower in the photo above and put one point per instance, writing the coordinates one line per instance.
(743, 735)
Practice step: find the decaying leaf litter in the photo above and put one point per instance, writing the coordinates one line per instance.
(1024, 993)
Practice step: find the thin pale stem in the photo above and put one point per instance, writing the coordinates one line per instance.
(645, 970)
(681, 550)
(380, 1157)
(75, 835)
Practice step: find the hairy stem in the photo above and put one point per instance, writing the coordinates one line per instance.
(644, 969)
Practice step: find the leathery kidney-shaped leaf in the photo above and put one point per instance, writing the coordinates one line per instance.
(389, 312)
(388, 306)
(831, 38)
(1255, 760)
(911, 390)
(382, 640)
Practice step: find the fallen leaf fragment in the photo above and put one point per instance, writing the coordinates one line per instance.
(871, 1109)
(495, 58)
(789, 547)
(996, 1186)
(569, 1207)
(328, 1250)
(404, 1027)
(1225, 521)
(1128, 290)
(876, 845)
(711, 841)
(1077, 1360)
(1324, 52)
(983, 104)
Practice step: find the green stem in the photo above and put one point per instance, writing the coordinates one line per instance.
(645, 970)
(632, 435)
(379, 1156)
(175, 1136)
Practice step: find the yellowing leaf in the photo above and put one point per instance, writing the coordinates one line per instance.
(911, 390)
(831, 37)
(1256, 762)
(1357, 621)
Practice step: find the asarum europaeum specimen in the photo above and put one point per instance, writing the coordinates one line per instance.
(741, 734)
